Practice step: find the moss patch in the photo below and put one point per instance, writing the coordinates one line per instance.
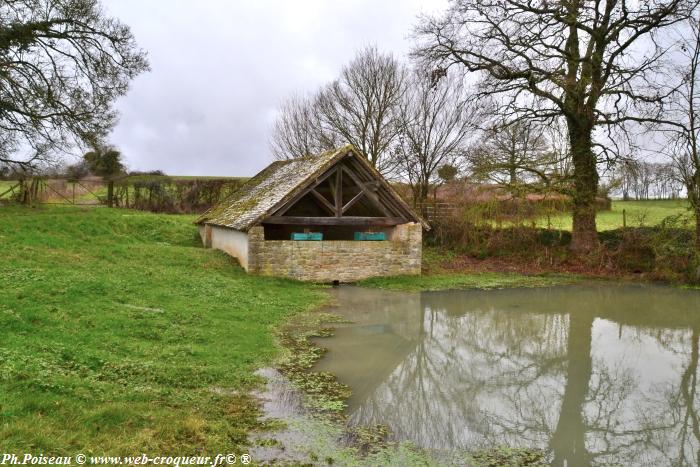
(324, 393)
(443, 281)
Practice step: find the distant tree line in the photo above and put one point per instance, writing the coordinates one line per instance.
(412, 125)
(639, 179)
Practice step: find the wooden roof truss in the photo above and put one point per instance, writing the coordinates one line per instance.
(370, 191)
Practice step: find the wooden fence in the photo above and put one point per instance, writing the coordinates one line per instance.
(436, 210)
(42, 190)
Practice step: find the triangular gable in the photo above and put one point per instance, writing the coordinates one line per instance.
(272, 194)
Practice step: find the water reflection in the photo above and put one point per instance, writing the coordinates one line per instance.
(597, 374)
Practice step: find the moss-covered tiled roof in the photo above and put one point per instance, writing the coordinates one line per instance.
(277, 183)
(281, 182)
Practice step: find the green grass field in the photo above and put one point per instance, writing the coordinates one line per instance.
(639, 213)
(121, 335)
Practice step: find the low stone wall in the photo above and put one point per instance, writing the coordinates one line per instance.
(338, 260)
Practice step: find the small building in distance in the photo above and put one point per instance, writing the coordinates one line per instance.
(325, 218)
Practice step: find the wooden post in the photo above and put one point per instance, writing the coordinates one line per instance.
(110, 193)
(624, 218)
(339, 192)
(23, 191)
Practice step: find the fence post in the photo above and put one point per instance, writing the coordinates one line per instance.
(624, 218)
(23, 191)
(110, 193)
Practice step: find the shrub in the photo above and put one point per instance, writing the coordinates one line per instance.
(665, 252)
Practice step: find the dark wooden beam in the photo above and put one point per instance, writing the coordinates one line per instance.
(354, 200)
(347, 220)
(370, 194)
(339, 192)
(324, 202)
(291, 202)
(397, 208)
(331, 183)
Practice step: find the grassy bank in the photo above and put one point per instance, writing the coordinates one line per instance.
(121, 335)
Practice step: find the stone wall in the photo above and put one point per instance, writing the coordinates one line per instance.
(338, 260)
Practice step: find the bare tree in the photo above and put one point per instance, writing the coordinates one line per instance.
(513, 153)
(435, 123)
(685, 112)
(645, 179)
(688, 172)
(666, 181)
(592, 63)
(361, 106)
(642, 179)
(628, 169)
(298, 131)
(62, 65)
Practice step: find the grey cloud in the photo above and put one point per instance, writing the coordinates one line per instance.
(221, 68)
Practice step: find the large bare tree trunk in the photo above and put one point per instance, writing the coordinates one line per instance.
(693, 188)
(697, 227)
(420, 197)
(584, 237)
(513, 174)
(424, 191)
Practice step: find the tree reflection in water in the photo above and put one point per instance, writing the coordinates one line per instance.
(595, 374)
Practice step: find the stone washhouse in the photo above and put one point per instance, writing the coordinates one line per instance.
(325, 218)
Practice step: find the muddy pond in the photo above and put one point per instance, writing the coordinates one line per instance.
(594, 373)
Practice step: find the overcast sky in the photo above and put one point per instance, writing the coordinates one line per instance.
(220, 69)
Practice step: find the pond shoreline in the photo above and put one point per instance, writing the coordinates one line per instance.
(302, 410)
(319, 399)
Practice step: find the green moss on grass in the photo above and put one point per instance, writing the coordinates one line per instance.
(324, 393)
(444, 281)
(508, 457)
